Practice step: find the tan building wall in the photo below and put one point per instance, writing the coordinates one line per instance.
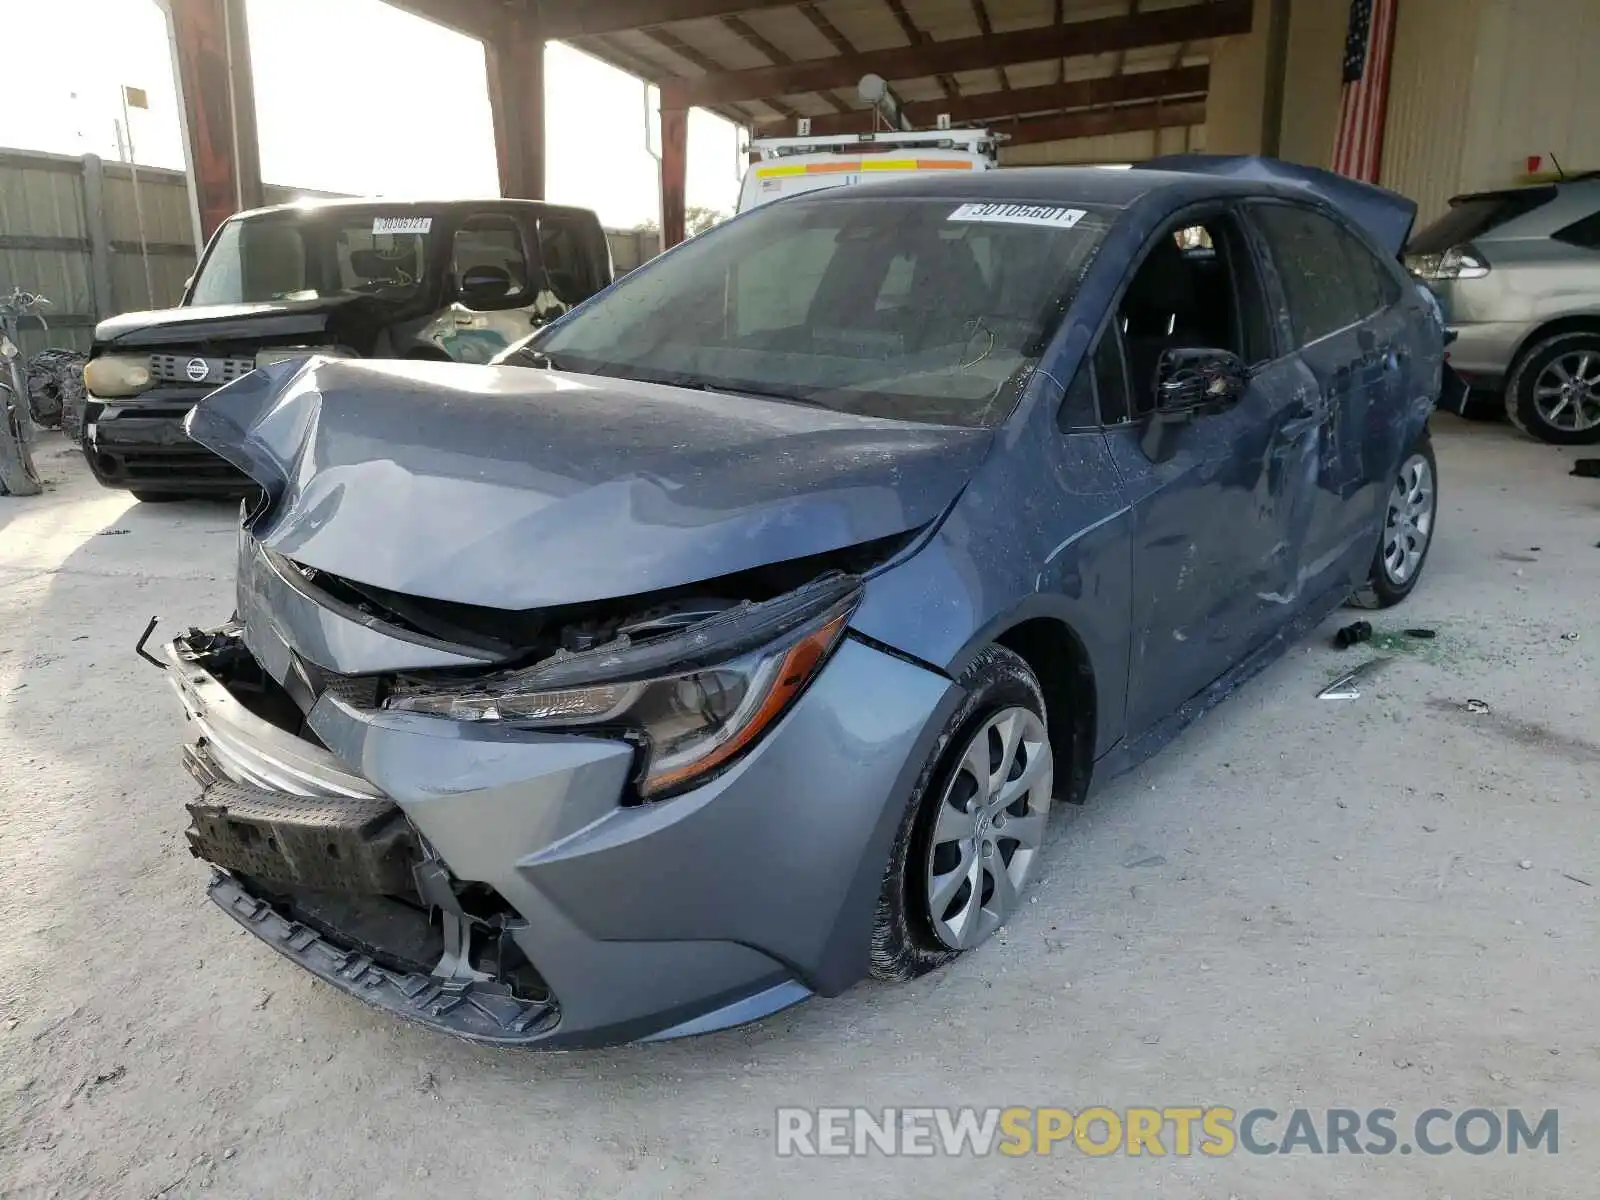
(1109, 148)
(1476, 87)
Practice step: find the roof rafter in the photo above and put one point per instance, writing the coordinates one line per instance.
(1099, 122)
(752, 38)
(573, 18)
(1103, 35)
(917, 37)
(1101, 91)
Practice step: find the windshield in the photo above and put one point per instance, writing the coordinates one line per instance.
(302, 256)
(925, 310)
(1473, 216)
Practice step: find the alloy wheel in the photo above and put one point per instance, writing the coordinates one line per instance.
(1409, 525)
(1567, 391)
(989, 827)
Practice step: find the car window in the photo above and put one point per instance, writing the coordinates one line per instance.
(1314, 264)
(912, 309)
(1196, 288)
(1473, 216)
(774, 287)
(1375, 283)
(1584, 232)
(492, 240)
(567, 262)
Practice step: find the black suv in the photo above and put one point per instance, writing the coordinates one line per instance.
(457, 280)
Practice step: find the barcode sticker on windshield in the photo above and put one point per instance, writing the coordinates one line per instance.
(1020, 214)
(401, 224)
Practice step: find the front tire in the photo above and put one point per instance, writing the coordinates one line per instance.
(974, 826)
(1554, 393)
(1408, 527)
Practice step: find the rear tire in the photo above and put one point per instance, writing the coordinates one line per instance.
(935, 852)
(1536, 394)
(1408, 528)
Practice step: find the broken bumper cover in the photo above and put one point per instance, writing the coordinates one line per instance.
(645, 921)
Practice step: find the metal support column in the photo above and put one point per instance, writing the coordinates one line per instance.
(514, 58)
(211, 51)
(674, 173)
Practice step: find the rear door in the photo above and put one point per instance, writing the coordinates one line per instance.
(1341, 308)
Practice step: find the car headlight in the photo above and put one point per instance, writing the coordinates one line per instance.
(113, 375)
(695, 700)
(278, 354)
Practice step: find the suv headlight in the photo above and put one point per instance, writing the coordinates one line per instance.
(113, 375)
(695, 700)
(1458, 262)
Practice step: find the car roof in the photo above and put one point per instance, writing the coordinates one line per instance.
(1112, 188)
(316, 204)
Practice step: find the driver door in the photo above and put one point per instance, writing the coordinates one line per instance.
(1215, 556)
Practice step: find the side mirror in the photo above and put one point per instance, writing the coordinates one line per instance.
(1189, 384)
(483, 287)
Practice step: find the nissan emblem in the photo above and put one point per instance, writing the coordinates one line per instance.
(197, 369)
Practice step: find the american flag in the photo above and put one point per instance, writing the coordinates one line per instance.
(1368, 47)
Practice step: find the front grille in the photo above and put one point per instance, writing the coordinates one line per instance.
(185, 368)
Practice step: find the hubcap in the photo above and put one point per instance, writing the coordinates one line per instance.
(989, 827)
(1410, 522)
(1567, 392)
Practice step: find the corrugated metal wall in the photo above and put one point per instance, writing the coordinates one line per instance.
(1432, 85)
(1533, 90)
(41, 207)
(46, 230)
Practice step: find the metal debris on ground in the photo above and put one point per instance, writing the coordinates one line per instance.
(1575, 879)
(1569, 637)
(110, 532)
(1424, 634)
(55, 384)
(1480, 707)
(1352, 634)
(1526, 864)
(1345, 687)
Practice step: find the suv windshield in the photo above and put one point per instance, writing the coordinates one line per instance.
(1473, 216)
(924, 310)
(301, 256)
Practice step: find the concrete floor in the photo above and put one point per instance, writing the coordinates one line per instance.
(1356, 904)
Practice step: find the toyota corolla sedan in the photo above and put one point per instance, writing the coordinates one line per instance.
(733, 641)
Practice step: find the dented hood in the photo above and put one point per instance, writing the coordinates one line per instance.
(516, 488)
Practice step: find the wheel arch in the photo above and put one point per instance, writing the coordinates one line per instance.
(1060, 661)
(1587, 322)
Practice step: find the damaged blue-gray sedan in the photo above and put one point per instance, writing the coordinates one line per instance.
(731, 643)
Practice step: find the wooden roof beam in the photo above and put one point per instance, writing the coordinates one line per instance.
(1102, 90)
(573, 18)
(1104, 35)
(1099, 122)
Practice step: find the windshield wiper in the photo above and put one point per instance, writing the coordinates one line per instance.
(694, 383)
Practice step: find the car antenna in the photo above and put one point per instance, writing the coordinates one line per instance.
(1559, 170)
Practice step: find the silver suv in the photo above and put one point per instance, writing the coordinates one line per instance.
(1518, 275)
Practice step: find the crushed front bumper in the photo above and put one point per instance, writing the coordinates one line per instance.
(143, 446)
(633, 921)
